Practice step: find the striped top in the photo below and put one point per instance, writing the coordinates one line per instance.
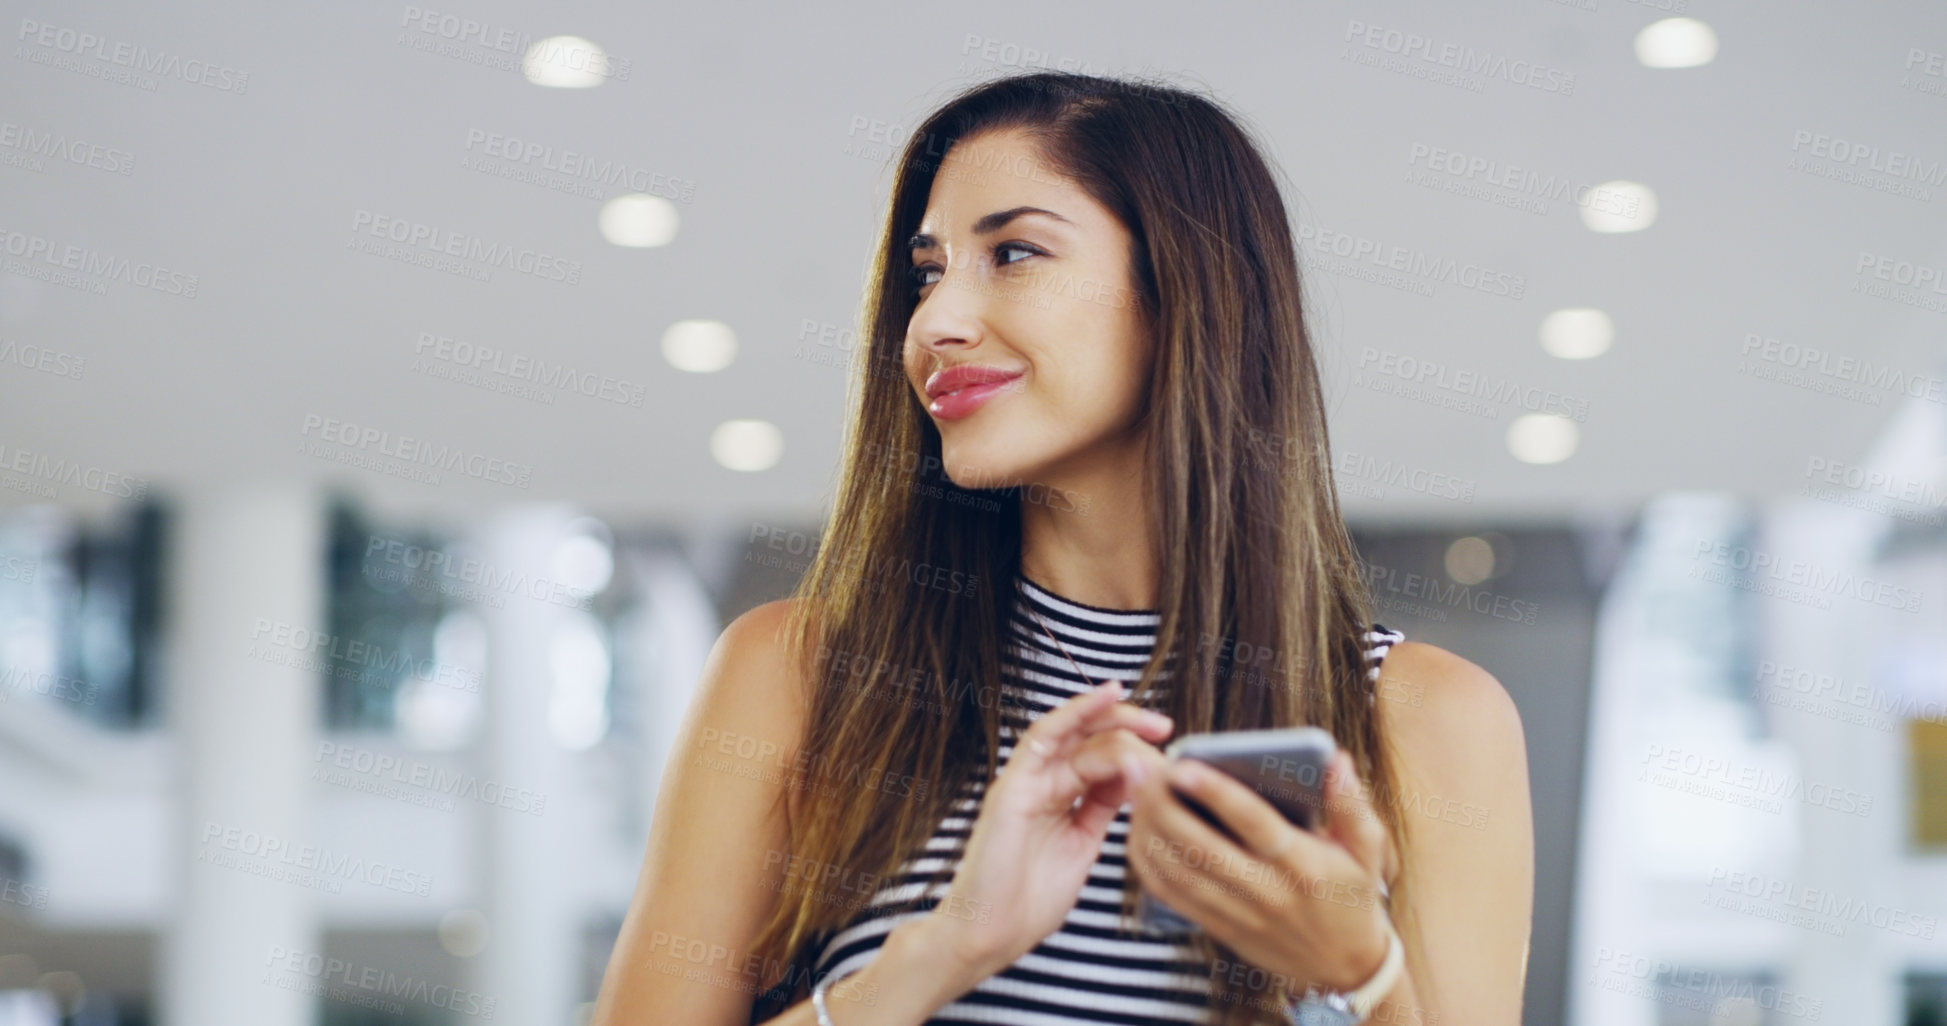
(1088, 972)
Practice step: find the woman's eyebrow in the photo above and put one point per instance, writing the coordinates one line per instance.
(986, 225)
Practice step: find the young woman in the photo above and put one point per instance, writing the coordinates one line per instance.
(1086, 506)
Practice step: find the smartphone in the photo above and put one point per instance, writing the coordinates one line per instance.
(1286, 766)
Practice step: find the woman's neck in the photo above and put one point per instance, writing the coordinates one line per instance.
(1089, 539)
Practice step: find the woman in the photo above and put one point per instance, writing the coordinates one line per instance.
(1088, 448)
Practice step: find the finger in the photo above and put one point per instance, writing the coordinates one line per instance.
(1147, 766)
(1354, 824)
(1093, 715)
(1085, 778)
(1101, 758)
(1098, 755)
(1190, 864)
(1262, 829)
(1139, 787)
(1048, 735)
(1144, 772)
(1098, 765)
(1100, 804)
(1153, 726)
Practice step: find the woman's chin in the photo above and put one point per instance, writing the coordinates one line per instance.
(982, 467)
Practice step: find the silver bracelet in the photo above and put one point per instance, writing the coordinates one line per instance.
(818, 997)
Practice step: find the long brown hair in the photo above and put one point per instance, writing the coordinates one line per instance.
(1254, 557)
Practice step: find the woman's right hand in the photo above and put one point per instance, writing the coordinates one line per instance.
(1041, 826)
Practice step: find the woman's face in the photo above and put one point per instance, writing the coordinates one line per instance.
(1021, 275)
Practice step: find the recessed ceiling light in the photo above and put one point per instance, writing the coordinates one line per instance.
(565, 62)
(1470, 560)
(1542, 438)
(1619, 206)
(1577, 333)
(698, 346)
(749, 445)
(639, 221)
(463, 932)
(1676, 43)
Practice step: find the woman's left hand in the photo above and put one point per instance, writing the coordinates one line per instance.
(1304, 905)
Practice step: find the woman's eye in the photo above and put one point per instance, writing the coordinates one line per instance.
(1020, 247)
(918, 275)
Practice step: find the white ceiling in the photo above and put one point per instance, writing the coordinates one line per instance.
(256, 195)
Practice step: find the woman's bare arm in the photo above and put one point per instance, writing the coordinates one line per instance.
(1469, 823)
(716, 861)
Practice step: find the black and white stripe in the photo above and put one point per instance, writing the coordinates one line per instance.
(1378, 640)
(1089, 971)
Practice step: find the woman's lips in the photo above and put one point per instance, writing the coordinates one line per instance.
(955, 405)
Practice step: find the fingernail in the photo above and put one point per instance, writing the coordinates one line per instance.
(1132, 770)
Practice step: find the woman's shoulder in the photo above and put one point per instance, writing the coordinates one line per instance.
(755, 679)
(1442, 709)
(756, 645)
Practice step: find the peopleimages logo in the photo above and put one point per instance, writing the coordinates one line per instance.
(1526, 182)
(382, 767)
(1697, 989)
(505, 49)
(55, 146)
(1412, 270)
(1818, 901)
(359, 659)
(1362, 474)
(25, 895)
(1407, 46)
(1748, 784)
(498, 370)
(41, 466)
(1866, 164)
(44, 258)
(571, 165)
(1014, 55)
(429, 246)
(236, 848)
(1901, 272)
(1900, 281)
(1925, 71)
(1875, 490)
(1867, 698)
(416, 452)
(43, 359)
(1832, 370)
(42, 682)
(73, 45)
(1383, 581)
(1796, 580)
(1436, 375)
(344, 981)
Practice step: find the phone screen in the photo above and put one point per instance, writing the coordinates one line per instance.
(1285, 767)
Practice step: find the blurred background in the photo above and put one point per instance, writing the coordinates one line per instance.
(396, 401)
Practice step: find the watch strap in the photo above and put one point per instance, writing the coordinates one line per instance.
(1366, 998)
(1357, 1005)
(818, 997)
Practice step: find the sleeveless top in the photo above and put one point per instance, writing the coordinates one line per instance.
(1096, 968)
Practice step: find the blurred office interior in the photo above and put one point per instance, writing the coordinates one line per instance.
(297, 732)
